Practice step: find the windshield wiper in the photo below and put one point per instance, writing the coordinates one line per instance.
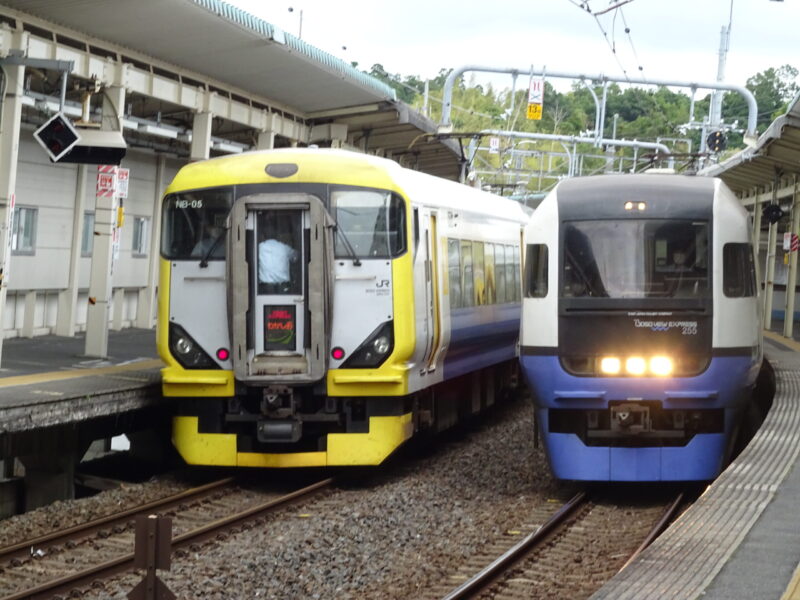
(207, 255)
(348, 246)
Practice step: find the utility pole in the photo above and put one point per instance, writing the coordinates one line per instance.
(714, 122)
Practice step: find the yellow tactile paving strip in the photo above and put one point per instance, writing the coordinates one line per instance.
(78, 373)
(789, 343)
(793, 591)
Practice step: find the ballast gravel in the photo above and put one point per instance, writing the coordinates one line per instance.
(392, 534)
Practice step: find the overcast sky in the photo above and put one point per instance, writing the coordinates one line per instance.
(673, 39)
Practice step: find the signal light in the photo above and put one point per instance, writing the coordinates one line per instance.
(716, 141)
(57, 136)
(772, 213)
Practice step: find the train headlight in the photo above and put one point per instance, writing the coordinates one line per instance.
(374, 350)
(610, 365)
(183, 345)
(635, 365)
(661, 366)
(381, 345)
(187, 351)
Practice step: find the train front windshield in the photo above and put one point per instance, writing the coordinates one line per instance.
(636, 258)
(194, 224)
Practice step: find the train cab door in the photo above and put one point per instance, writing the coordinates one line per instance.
(278, 269)
(432, 298)
(279, 280)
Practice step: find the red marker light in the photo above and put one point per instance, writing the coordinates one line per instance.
(337, 353)
(223, 354)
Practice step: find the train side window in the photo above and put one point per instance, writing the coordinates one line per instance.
(488, 252)
(478, 264)
(738, 271)
(454, 272)
(536, 271)
(511, 295)
(517, 276)
(467, 289)
(500, 272)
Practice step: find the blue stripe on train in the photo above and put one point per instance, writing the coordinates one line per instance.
(723, 385)
(481, 336)
(700, 460)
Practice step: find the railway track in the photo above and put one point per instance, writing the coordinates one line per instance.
(570, 555)
(82, 555)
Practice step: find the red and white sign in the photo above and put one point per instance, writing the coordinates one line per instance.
(791, 241)
(106, 180)
(536, 91)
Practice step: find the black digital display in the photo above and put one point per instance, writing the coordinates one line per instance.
(280, 327)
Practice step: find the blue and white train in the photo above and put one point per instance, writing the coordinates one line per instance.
(641, 337)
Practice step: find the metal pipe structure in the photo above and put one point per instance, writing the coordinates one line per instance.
(750, 135)
(579, 140)
(598, 112)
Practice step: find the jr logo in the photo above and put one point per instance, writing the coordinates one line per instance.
(383, 283)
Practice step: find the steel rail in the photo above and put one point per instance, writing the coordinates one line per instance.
(470, 587)
(657, 529)
(28, 547)
(125, 563)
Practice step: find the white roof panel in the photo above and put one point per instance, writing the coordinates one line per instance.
(215, 39)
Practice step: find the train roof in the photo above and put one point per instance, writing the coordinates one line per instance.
(665, 196)
(343, 167)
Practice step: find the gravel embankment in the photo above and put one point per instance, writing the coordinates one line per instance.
(394, 534)
(63, 514)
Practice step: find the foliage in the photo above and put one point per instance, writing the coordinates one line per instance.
(652, 114)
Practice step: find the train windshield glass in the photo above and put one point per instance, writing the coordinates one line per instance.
(372, 222)
(194, 224)
(635, 259)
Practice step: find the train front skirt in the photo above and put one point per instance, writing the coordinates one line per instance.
(386, 434)
(687, 430)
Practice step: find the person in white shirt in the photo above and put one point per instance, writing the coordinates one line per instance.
(211, 233)
(274, 261)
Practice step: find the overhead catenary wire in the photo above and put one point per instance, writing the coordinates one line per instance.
(630, 40)
(584, 6)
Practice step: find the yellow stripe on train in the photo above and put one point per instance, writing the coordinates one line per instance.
(385, 435)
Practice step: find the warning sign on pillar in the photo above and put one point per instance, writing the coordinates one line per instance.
(106, 180)
(791, 242)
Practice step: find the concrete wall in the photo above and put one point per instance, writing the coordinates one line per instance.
(51, 189)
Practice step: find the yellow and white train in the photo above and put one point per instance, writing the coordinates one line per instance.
(312, 303)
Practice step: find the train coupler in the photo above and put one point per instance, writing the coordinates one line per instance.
(287, 431)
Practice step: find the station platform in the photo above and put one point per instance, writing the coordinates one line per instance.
(741, 538)
(56, 403)
(47, 381)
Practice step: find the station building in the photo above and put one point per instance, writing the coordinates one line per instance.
(179, 81)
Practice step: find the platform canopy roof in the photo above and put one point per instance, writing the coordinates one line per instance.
(217, 40)
(775, 157)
